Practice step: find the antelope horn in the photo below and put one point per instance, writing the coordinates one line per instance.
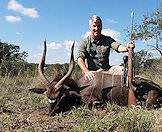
(41, 66)
(71, 66)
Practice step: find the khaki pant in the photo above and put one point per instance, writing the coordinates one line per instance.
(114, 70)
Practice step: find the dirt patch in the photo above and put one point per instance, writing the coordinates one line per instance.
(41, 119)
(39, 116)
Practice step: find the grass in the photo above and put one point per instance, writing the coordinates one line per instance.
(21, 110)
(112, 118)
(154, 72)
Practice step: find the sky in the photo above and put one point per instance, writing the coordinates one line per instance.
(27, 23)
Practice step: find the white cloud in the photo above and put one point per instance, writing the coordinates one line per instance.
(86, 34)
(59, 52)
(64, 46)
(112, 33)
(54, 45)
(68, 44)
(61, 45)
(108, 32)
(17, 7)
(31, 12)
(18, 33)
(13, 19)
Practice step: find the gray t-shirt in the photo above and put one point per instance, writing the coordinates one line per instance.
(97, 52)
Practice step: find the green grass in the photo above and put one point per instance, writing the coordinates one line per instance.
(21, 110)
(154, 72)
(112, 118)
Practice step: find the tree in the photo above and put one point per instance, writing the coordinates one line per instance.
(141, 61)
(151, 28)
(11, 59)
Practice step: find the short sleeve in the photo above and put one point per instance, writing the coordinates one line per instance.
(115, 45)
(82, 49)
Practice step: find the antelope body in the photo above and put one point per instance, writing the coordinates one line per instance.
(65, 93)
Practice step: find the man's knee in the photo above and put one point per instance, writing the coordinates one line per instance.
(116, 70)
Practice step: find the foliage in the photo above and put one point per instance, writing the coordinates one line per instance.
(30, 69)
(12, 61)
(141, 61)
(153, 70)
(151, 28)
(147, 66)
(11, 52)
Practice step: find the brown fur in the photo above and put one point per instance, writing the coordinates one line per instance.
(65, 92)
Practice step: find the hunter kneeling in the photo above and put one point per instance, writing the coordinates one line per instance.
(94, 50)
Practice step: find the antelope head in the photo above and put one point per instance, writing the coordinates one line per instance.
(56, 90)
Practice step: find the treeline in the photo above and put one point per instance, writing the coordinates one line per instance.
(13, 63)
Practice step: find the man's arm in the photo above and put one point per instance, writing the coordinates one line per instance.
(82, 65)
(123, 48)
(89, 75)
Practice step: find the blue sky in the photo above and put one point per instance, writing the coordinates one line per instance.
(28, 22)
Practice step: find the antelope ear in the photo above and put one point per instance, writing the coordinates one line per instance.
(38, 90)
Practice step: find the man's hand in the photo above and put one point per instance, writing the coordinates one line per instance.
(89, 75)
(131, 45)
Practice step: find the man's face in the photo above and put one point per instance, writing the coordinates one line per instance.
(95, 28)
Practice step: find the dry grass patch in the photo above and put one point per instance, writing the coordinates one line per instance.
(21, 110)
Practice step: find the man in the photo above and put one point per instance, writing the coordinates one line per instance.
(93, 53)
